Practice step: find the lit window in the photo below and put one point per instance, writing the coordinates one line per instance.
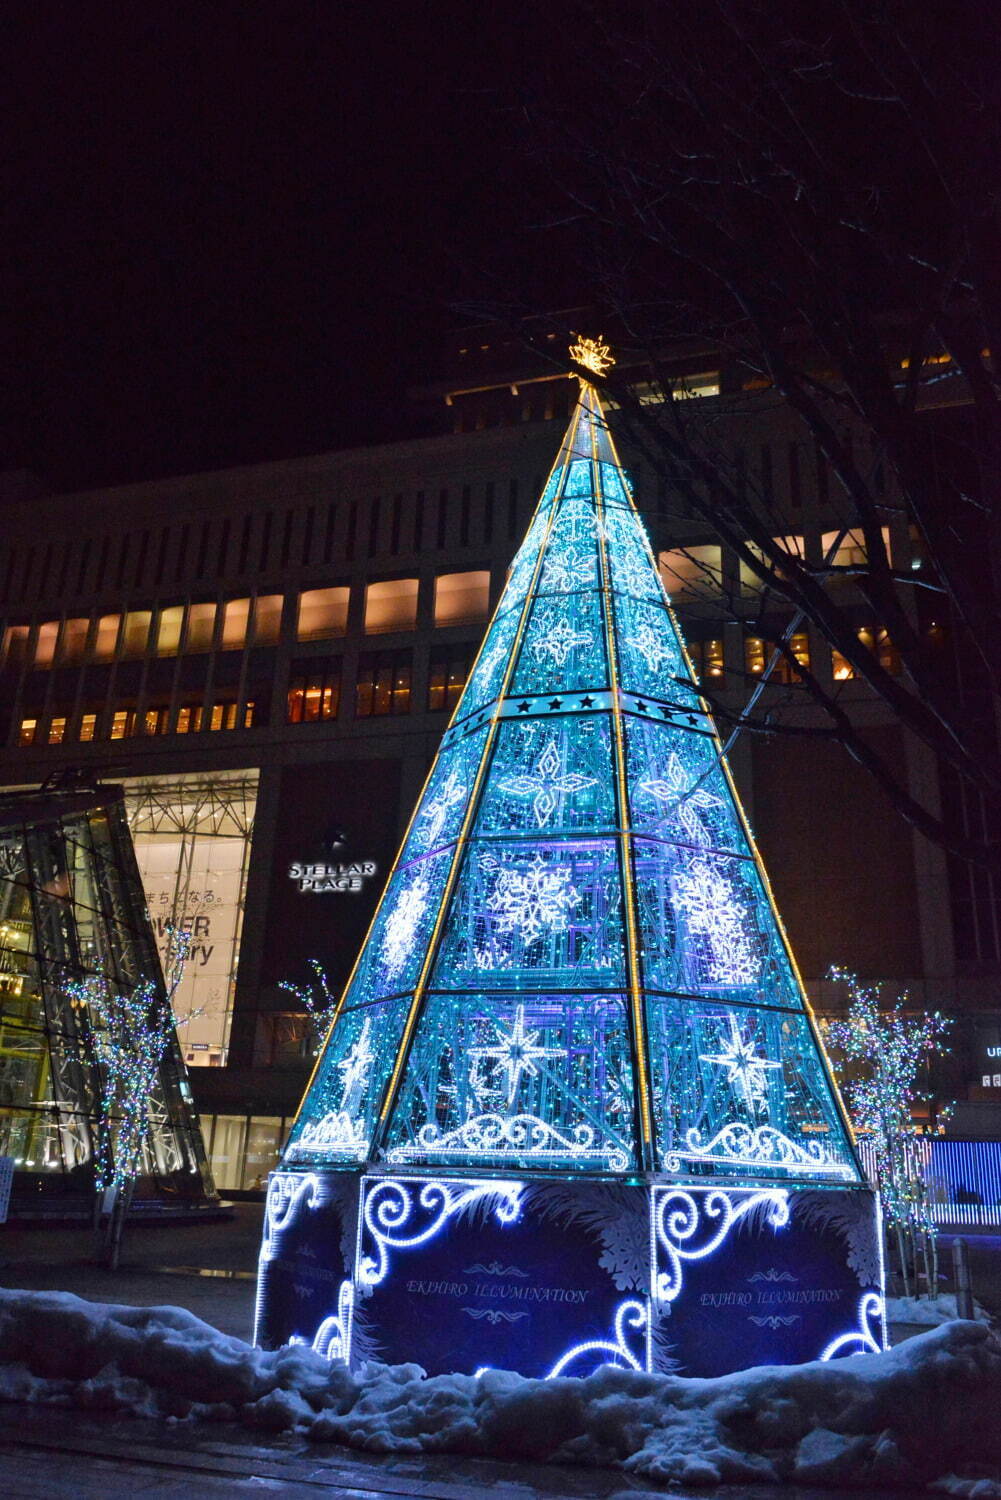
(88, 726)
(235, 619)
(106, 638)
(383, 684)
(57, 730)
(750, 583)
(692, 571)
(135, 637)
(154, 720)
(391, 605)
(168, 630)
(314, 691)
(201, 627)
(322, 612)
(447, 678)
(122, 724)
(73, 642)
(799, 645)
(45, 646)
(461, 598)
(223, 716)
(268, 619)
(15, 644)
(189, 719)
(874, 640)
(707, 658)
(851, 550)
(26, 732)
(754, 655)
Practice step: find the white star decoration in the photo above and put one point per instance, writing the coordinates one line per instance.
(515, 1053)
(558, 641)
(743, 1067)
(673, 791)
(650, 646)
(546, 785)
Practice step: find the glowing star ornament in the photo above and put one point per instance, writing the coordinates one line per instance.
(516, 1054)
(558, 642)
(743, 1067)
(593, 354)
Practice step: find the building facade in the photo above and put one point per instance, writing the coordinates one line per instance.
(266, 657)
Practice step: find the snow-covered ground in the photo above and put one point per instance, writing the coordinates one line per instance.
(921, 1414)
(928, 1312)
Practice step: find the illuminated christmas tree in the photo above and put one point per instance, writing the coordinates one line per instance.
(576, 970)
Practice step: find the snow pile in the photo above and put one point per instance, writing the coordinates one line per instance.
(928, 1312)
(918, 1415)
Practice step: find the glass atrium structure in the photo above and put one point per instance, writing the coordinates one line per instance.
(72, 908)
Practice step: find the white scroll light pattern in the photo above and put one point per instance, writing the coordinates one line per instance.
(550, 782)
(435, 812)
(287, 1193)
(676, 1215)
(389, 1214)
(525, 1136)
(864, 1340)
(740, 1145)
(402, 924)
(629, 1314)
(332, 1339)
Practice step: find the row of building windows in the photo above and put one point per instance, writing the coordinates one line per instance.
(383, 688)
(696, 572)
(183, 629)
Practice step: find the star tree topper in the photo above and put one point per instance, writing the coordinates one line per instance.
(593, 354)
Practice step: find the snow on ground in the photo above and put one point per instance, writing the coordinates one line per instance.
(928, 1312)
(920, 1414)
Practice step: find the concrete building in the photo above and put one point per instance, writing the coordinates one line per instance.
(266, 657)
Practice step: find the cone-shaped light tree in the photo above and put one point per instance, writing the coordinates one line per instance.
(576, 970)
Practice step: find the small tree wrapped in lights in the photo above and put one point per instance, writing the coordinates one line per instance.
(317, 999)
(126, 1034)
(883, 1049)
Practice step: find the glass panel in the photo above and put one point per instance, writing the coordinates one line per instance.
(45, 645)
(268, 619)
(136, 634)
(692, 573)
(536, 915)
(738, 1090)
(550, 776)
(168, 633)
(73, 643)
(337, 1116)
(563, 649)
(677, 788)
(201, 627)
(323, 612)
(15, 644)
(391, 605)
(440, 811)
(227, 1150)
(460, 598)
(264, 1139)
(26, 732)
(629, 558)
(235, 618)
(650, 657)
(487, 676)
(750, 583)
(541, 1081)
(706, 926)
(394, 952)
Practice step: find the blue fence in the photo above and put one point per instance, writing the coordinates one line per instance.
(963, 1178)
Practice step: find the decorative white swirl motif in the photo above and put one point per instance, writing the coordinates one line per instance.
(333, 1337)
(630, 1314)
(871, 1306)
(775, 1320)
(677, 1214)
(494, 1314)
(740, 1145)
(525, 1136)
(336, 1131)
(286, 1192)
(494, 1269)
(389, 1207)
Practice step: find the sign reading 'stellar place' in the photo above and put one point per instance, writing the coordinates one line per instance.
(328, 877)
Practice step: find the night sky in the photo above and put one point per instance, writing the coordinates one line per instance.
(236, 232)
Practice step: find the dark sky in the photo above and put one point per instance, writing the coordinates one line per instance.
(234, 231)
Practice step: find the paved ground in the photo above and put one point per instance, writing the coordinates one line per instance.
(209, 1269)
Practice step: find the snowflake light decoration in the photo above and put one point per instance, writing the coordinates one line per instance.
(558, 641)
(451, 792)
(672, 790)
(354, 1067)
(548, 783)
(533, 898)
(402, 924)
(515, 1052)
(743, 1067)
(706, 897)
(651, 647)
